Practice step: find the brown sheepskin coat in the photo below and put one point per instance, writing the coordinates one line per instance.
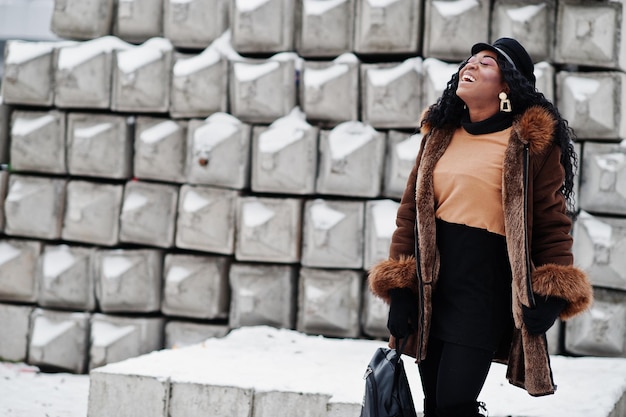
(537, 237)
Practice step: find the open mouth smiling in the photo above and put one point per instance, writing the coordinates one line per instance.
(468, 78)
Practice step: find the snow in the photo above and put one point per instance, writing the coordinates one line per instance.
(256, 213)
(319, 7)
(134, 202)
(526, 13)
(19, 52)
(246, 6)
(383, 76)
(247, 72)
(159, 132)
(347, 137)
(194, 202)
(73, 55)
(8, 252)
(384, 214)
(130, 60)
(56, 260)
(187, 66)
(23, 127)
(92, 131)
(454, 8)
(324, 217)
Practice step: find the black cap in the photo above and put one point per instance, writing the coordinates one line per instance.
(512, 51)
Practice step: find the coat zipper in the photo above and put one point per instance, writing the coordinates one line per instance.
(529, 283)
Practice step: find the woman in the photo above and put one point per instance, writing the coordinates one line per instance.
(480, 265)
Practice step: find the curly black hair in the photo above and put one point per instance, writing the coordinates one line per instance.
(449, 110)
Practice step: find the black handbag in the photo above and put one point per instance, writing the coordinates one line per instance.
(387, 391)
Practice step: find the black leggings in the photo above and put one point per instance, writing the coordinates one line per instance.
(453, 374)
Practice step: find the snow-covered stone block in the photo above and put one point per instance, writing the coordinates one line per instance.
(38, 141)
(18, 266)
(374, 315)
(329, 302)
(262, 294)
(592, 103)
(99, 145)
(387, 27)
(391, 94)
(195, 286)
(601, 330)
(435, 77)
(402, 150)
(82, 77)
(545, 74)
(92, 212)
(4, 185)
(603, 185)
(59, 340)
(333, 234)
(190, 398)
(591, 34)
(160, 151)
(284, 156)
(599, 249)
(138, 20)
(275, 403)
(128, 280)
(262, 26)
(325, 28)
(5, 128)
(268, 229)
(329, 91)
(199, 84)
(452, 27)
(148, 214)
(15, 325)
(34, 206)
(206, 219)
(194, 23)
(65, 277)
(82, 19)
(218, 152)
(141, 77)
(530, 22)
(380, 223)
(254, 85)
(181, 333)
(115, 338)
(351, 157)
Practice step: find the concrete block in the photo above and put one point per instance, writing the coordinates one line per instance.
(599, 249)
(530, 22)
(392, 94)
(218, 152)
(380, 223)
(4, 185)
(341, 409)
(592, 103)
(329, 302)
(65, 278)
(195, 286)
(351, 157)
(28, 69)
(99, 145)
(325, 28)
(329, 91)
(138, 20)
(268, 229)
(452, 27)
(82, 77)
(590, 34)
(199, 84)
(59, 340)
(38, 141)
(148, 213)
(402, 150)
(189, 398)
(127, 395)
(553, 337)
(194, 23)
(578, 148)
(34, 206)
(276, 403)
(254, 83)
(262, 26)
(128, 280)
(160, 151)
(206, 219)
(115, 338)
(374, 315)
(601, 330)
(333, 233)
(181, 333)
(284, 156)
(92, 212)
(603, 185)
(141, 77)
(15, 324)
(435, 77)
(82, 19)
(388, 27)
(545, 75)
(262, 294)
(18, 265)
(5, 128)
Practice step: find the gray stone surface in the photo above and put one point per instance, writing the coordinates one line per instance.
(138, 20)
(436, 74)
(38, 141)
(5, 128)
(545, 73)
(325, 28)
(274, 403)
(82, 19)
(181, 333)
(374, 315)
(194, 23)
(380, 223)
(603, 185)
(15, 324)
(18, 263)
(160, 150)
(189, 398)
(402, 149)
(262, 27)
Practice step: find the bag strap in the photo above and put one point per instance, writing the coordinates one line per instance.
(401, 346)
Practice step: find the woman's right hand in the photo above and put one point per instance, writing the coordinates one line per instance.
(403, 312)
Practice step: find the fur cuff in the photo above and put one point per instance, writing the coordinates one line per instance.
(567, 282)
(393, 273)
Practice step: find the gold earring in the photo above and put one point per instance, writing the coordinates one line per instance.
(505, 103)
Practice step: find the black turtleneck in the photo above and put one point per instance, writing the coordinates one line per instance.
(495, 123)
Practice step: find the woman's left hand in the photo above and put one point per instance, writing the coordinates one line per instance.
(547, 309)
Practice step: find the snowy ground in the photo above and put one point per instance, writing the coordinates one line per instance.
(587, 387)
